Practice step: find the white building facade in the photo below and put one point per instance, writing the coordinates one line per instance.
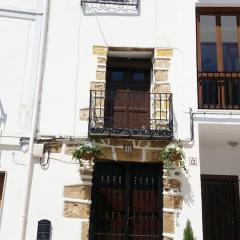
(130, 76)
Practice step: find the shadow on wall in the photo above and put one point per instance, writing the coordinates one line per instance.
(3, 117)
(175, 126)
(187, 192)
(105, 9)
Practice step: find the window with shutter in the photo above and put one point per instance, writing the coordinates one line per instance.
(128, 81)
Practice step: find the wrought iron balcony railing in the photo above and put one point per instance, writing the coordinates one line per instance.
(115, 2)
(219, 90)
(131, 114)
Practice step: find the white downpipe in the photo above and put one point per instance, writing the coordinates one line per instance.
(35, 118)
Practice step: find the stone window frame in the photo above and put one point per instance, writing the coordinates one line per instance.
(161, 60)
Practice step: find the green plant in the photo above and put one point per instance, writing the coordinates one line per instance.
(88, 151)
(173, 155)
(188, 232)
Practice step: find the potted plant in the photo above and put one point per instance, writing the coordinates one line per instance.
(86, 153)
(188, 232)
(173, 155)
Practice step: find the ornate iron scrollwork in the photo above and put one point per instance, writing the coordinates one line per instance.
(115, 2)
(92, 7)
(121, 132)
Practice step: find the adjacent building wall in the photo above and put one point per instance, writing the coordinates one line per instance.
(21, 4)
(20, 26)
(18, 66)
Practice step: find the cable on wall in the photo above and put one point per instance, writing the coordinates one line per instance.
(100, 28)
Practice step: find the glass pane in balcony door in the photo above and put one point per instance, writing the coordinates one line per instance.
(209, 57)
(208, 43)
(232, 90)
(230, 43)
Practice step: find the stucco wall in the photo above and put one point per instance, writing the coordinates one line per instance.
(19, 46)
(47, 197)
(14, 164)
(216, 153)
(20, 4)
(220, 160)
(71, 66)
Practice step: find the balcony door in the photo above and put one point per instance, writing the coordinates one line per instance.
(128, 93)
(218, 36)
(126, 201)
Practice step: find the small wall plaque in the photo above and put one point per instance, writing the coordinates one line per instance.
(192, 161)
(128, 148)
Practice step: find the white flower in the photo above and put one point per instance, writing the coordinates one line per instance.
(88, 144)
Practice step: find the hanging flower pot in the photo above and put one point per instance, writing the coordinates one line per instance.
(173, 156)
(85, 154)
(176, 157)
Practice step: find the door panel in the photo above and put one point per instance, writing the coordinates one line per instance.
(107, 212)
(139, 110)
(126, 201)
(120, 111)
(131, 109)
(220, 206)
(145, 203)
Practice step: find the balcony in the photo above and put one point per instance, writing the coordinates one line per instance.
(115, 2)
(219, 90)
(130, 114)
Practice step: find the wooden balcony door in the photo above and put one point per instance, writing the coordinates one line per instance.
(218, 43)
(126, 202)
(220, 207)
(128, 81)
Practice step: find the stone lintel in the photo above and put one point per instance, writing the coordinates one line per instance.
(163, 52)
(100, 50)
(135, 156)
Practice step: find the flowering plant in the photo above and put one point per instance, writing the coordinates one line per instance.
(85, 153)
(173, 155)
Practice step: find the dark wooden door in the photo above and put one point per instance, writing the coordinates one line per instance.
(131, 109)
(129, 103)
(220, 207)
(126, 202)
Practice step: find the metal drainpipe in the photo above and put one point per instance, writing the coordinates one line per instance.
(35, 117)
(205, 113)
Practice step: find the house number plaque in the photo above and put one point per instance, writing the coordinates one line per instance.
(128, 149)
(192, 161)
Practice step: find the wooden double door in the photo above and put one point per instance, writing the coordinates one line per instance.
(128, 94)
(126, 202)
(220, 207)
